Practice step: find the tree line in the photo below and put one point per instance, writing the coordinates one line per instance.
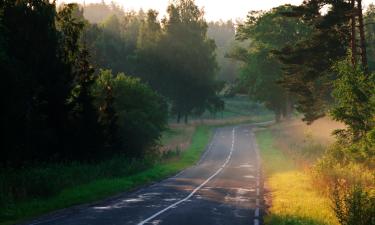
(64, 87)
(174, 55)
(318, 58)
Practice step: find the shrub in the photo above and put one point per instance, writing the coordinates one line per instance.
(353, 205)
(141, 113)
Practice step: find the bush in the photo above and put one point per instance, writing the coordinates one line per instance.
(141, 113)
(345, 175)
(353, 205)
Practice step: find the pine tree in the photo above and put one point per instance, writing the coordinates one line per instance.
(307, 64)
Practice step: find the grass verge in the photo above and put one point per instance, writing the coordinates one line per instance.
(102, 188)
(294, 200)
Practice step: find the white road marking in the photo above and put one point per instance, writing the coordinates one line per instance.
(196, 189)
(256, 214)
(256, 222)
(257, 191)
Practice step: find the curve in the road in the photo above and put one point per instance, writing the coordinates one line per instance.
(197, 188)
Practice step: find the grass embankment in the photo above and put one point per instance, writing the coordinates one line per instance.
(293, 199)
(101, 188)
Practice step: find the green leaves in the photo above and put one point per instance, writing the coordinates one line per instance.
(267, 32)
(141, 113)
(354, 94)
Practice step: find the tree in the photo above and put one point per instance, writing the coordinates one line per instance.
(38, 81)
(224, 35)
(147, 56)
(261, 72)
(96, 13)
(354, 94)
(140, 113)
(369, 19)
(307, 63)
(113, 42)
(190, 59)
(86, 129)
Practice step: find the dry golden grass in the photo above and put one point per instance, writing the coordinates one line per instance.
(304, 143)
(292, 197)
(297, 131)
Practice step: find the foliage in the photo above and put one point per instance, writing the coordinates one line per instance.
(354, 92)
(223, 32)
(141, 113)
(52, 113)
(353, 205)
(369, 18)
(38, 82)
(307, 62)
(175, 56)
(96, 13)
(113, 42)
(76, 182)
(267, 31)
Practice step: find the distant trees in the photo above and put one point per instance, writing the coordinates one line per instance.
(175, 56)
(189, 59)
(96, 13)
(223, 33)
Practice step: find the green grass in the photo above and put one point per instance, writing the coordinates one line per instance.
(102, 188)
(294, 200)
(237, 106)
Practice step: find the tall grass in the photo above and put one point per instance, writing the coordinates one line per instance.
(294, 200)
(30, 192)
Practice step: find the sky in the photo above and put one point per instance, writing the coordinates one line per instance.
(214, 9)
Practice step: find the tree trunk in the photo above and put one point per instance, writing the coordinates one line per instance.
(178, 117)
(186, 118)
(353, 34)
(288, 108)
(278, 116)
(362, 37)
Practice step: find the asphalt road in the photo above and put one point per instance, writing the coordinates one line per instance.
(224, 188)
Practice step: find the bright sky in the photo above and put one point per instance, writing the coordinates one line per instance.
(214, 9)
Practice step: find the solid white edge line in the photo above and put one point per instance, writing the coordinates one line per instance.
(197, 188)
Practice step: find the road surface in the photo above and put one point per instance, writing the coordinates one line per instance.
(224, 188)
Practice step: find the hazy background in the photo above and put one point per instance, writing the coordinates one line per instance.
(215, 10)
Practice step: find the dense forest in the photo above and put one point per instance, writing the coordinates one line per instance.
(71, 99)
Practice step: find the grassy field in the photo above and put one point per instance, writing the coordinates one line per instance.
(235, 107)
(292, 197)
